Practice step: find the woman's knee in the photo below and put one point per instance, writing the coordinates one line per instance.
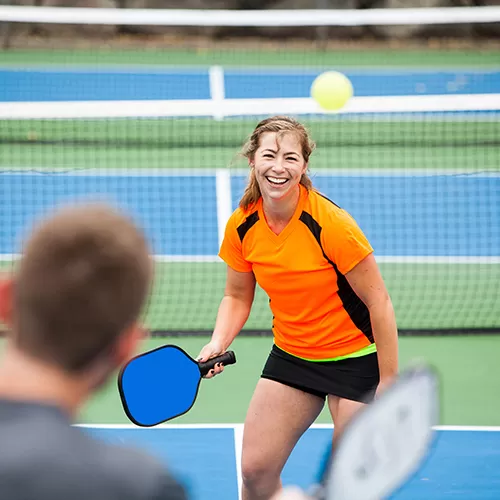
(259, 475)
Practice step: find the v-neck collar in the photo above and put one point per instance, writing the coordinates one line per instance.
(279, 238)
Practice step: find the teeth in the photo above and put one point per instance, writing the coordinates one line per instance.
(275, 180)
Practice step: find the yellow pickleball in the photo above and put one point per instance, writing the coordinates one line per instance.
(331, 90)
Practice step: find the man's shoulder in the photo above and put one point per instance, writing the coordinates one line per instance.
(136, 472)
(59, 459)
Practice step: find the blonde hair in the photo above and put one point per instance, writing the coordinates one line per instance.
(281, 125)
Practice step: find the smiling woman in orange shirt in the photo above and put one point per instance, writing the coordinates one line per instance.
(335, 335)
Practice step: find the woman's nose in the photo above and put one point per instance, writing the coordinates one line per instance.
(278, 165)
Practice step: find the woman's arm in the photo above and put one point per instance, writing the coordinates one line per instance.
(235, 306)
(233, 313)
(366, 281)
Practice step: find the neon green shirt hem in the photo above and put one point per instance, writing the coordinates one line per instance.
(357, 354)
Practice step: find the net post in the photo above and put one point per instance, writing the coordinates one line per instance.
(322, 31)
(5, 33)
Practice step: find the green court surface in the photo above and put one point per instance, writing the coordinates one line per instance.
(272, 55)
(425, 296)
(468, 369)
(26, 156)
(424, 144)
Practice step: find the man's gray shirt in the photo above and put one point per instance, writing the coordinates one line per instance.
(43, 457)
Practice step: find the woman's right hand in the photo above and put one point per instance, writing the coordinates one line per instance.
(211, 350)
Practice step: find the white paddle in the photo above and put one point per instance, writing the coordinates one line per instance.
(384, 444)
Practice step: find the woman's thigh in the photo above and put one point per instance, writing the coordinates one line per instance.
(277, 417)
(342, 410)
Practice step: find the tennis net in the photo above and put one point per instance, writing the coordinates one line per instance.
(156, 128)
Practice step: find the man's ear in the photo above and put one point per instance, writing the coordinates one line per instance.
(128, 344)
(6, 300)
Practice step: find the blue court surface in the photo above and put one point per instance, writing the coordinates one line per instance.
(82, 84)
(464, 463)
(427, 215)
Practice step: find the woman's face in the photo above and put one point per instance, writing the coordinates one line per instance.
(278, 164)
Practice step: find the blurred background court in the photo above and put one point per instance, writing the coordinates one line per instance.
(148, 109)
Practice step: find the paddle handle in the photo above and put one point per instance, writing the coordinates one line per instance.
(228, 358)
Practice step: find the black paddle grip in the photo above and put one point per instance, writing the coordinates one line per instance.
(228, 358)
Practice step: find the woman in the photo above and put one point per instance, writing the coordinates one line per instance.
(335, 335)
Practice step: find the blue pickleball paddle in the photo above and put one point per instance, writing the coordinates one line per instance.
(162, 384)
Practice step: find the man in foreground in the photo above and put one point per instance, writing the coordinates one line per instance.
(72, 309)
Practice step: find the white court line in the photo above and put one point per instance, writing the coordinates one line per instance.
(447, 259)
(238, 428)
(238, 448)
(161, 426)
(385, 259)
(217, 94)
(196, 258)
(196, 108)
(465, 428)
(446, 428)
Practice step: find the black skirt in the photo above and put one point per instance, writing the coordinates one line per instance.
(351, 378)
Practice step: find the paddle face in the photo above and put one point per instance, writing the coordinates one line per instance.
(386, 442)
(159, 385)
(163, 383)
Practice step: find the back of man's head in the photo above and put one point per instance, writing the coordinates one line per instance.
(81, 283)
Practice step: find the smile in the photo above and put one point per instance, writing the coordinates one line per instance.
(276, 181)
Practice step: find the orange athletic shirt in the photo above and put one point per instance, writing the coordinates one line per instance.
(316, 313)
